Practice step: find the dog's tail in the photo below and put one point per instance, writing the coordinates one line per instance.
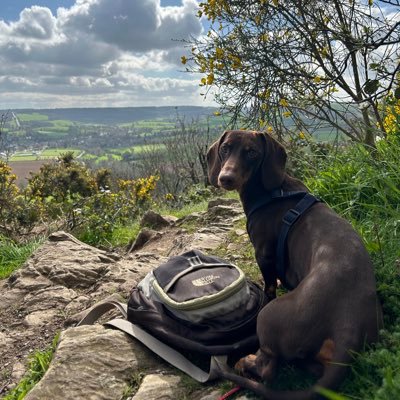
(334, 374)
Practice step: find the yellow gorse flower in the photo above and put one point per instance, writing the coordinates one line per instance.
(139, 189)
(169, 196)
(283, 102)
(391, 120)
(219, 53)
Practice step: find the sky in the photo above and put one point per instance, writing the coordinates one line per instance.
(97, 53)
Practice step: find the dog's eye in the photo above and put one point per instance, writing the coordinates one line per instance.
(252, 154)
(224, 150)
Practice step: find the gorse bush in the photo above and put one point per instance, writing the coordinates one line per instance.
(94, 219)
(391, 120)
(63, 179)
(67, 195)
(8, 192)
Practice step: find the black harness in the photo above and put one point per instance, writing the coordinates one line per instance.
(291, 216)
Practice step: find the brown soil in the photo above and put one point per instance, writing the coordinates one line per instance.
(23, 169)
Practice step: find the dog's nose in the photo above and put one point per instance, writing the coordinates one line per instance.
(227, 180)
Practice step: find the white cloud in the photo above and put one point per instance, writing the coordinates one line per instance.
(97, 53)
(34, 23)
(137, 26)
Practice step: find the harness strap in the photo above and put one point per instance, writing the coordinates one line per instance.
(288, 220)
(269, 197)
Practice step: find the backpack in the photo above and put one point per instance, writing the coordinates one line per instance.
(192, 304)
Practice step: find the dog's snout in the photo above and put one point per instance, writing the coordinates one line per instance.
(227, 180)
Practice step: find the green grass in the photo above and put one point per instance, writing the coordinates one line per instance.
(106, 157)
(58, 128)
(184, 210)
(58, 151)
(146, 147)
(116, 153)
(13, 255)
(122, 235)
(156, 125)
(38, 364)
(45, 154)
(32, 117)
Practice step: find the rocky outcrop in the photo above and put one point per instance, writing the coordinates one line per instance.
(63, 278)
(93, 362)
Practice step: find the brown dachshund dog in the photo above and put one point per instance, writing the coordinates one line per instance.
(333, 309)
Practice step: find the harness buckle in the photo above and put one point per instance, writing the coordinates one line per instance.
(290, 217)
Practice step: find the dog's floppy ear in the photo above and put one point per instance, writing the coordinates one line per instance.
(214, 161)
(273, 165)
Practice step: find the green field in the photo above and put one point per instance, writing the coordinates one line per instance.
(32, 117)
(154, 125)
(139, 148)
(47, 154)
(117, 153)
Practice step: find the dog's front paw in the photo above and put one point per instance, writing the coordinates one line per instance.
(246, 365)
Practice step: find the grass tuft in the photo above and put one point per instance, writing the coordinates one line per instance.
(38, 364)
(13, 255)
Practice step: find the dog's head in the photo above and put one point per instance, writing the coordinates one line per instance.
(237, 156)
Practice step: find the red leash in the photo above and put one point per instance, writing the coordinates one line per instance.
(230, 393)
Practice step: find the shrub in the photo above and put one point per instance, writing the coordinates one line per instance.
(94, 219)
(63, 180)
(8, 191)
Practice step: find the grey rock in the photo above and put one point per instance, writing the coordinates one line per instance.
(92, 362)
(156, 221)
(206, 242)
(144, 236)
(214, 395)
(65, 261)
(222, 213)
(191, 218)
(40, 318)
(18, 371)
(47, 298)
(4, 340)
(221, 201)
(160, 387)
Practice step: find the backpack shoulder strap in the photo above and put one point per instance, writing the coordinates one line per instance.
(99, 309)
(163, 350)
(168, 353)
